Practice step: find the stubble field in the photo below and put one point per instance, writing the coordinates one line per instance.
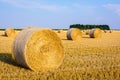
(85, 59)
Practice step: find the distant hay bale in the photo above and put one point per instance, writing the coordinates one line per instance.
(10, 32)
(105, 31)
(60, 31)
(87, 32)
(38, 49)
(30, 27)
(95, 33)
(74, 34)
(110, 31)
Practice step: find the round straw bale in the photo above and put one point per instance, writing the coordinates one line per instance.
(60, 31)
(95, 33)
(83, 30)
(30, 27)
(105, 31)
(87, 32)
(10, 32)
(110, 31)
(38, 49)
(74, 34)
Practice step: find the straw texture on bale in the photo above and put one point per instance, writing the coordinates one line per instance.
(38, 49)
(95, 33)
(74, 34)
(10, 32)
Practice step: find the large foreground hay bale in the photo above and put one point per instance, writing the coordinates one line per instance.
(10, 32)
(38, 49)
(95, 33)
(74, 34)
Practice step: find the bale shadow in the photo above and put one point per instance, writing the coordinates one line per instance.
(7, 58)
(3, 35)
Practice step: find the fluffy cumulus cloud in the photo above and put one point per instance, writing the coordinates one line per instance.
(114, 7)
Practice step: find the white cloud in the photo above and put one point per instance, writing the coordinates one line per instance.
(114, 7)
(34, 5)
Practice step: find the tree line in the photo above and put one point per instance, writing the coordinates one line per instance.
(84, 27)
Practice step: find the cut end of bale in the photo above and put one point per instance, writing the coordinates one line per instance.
(10, 32)
(74, 34)
(38, 49)
(95, 33)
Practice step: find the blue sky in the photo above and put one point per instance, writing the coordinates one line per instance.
(59, 13)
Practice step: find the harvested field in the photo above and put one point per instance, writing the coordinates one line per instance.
(85, 59)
